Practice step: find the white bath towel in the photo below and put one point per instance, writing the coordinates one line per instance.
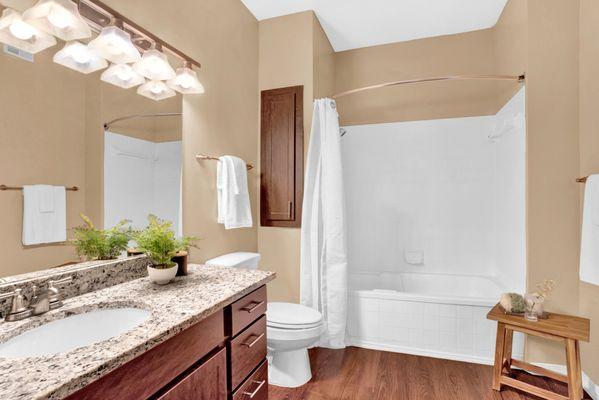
(44, 214)
(234, 209)
(589, 247)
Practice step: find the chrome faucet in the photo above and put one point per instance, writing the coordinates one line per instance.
(40, 303)
(18, 311)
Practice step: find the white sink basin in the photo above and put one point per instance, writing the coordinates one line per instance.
(76, 331)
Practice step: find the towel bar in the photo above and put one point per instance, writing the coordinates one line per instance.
(4, 187)
(205, 157)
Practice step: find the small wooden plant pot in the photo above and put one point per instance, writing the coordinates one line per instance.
(133, 252)
(181, 260)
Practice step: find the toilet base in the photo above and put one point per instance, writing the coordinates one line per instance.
(289, 369)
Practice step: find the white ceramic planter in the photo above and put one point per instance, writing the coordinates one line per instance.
(162, 276)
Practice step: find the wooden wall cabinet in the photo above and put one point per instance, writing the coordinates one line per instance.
(282, 157)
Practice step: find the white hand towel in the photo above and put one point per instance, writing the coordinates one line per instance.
(220, 186)
(44, 214)
(589, 247)
(234, 208)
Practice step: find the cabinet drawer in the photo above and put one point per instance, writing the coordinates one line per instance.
(207, 382)
(248, 350)
(255, 387)
(247, 309)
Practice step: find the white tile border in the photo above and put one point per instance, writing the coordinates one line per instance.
(372, 345)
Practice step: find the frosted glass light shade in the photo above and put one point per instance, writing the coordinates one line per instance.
(186, 82)
(60, 18)
(17, 33)
(156, 90)
(122, 75)
(114, 44)
(154, 66)
(79, 57)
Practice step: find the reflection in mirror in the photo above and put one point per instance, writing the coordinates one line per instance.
(52, 133)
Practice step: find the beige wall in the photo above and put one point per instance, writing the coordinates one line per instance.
(466, 53)
(589, 160)
(42, 119)
(553, 212)
(285, 59)
(294, 50)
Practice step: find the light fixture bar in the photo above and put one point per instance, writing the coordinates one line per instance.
(99, 15)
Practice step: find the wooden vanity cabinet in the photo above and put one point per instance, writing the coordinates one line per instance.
(206, 382)
(223, 357)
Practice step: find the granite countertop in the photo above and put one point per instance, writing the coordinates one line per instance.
(174, 307)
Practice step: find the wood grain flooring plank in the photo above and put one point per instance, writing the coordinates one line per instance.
(360, 374)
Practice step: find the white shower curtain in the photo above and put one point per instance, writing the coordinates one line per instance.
(323, 281)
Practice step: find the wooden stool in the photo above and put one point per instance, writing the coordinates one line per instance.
(562, 328)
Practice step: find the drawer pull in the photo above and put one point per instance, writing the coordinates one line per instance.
(255, 392)
(250, 308)
(258, 337)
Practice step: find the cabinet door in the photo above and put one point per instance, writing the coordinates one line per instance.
(207, 382)
(281, 157)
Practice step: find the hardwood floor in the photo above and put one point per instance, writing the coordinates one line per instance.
(360, 374)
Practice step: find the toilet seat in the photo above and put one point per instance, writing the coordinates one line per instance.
(291, 316)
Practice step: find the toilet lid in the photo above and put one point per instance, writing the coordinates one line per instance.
(292, 316)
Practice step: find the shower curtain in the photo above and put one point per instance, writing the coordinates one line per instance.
(323, 267)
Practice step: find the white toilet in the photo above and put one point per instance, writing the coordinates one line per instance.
(290, 330)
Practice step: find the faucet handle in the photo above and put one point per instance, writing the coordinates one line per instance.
(18, 310)
(51, 283)
(54, 294)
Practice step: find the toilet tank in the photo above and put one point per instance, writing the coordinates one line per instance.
(237, 260)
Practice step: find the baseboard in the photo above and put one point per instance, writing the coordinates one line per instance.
(589, 386)
(418, 352)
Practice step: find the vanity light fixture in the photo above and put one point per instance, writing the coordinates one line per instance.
(114, 44)
(80, 57)
(60, 18)
(155, 90)
(186, 81)
(18, 33)
(122, 75)
(154, 65)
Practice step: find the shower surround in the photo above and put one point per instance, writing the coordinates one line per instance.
(436, 231)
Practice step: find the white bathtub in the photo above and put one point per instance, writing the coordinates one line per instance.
(437, 315)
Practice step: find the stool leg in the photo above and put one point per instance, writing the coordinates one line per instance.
(579, 368)
(574, 374)
(507, 351)
(499, 352)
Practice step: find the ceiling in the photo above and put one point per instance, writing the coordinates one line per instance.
(351, 24)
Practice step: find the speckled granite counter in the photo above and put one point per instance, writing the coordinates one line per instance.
(174, 307)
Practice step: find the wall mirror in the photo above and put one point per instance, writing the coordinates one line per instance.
(61, 127)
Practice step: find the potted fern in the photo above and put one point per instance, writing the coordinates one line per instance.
(159, 243)
(92, 243)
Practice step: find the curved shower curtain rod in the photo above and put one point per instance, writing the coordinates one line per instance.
(518, 78)
(140, 116)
